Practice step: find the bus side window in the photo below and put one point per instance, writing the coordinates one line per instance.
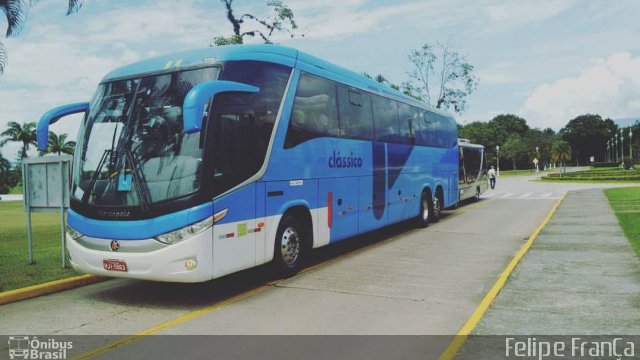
(356, 119)
(408, 116)
(385, 115)
(314, 112)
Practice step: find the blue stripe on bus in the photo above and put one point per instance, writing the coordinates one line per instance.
(138, 229)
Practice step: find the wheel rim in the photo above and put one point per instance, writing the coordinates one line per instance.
(290, 245)
(425, 208)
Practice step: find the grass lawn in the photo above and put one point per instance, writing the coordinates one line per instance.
(15, 272)
(626, 204)
(16, 190)
(597, 175)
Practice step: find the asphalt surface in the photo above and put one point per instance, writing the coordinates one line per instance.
(401, 281)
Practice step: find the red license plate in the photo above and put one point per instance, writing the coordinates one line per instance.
(114, 265)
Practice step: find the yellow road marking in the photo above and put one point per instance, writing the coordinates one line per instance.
(457, 342)
(217, 306)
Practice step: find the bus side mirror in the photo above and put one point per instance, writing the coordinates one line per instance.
(53, 115)
(200, 95)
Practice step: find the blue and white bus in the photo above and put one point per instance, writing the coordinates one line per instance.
(199, 164)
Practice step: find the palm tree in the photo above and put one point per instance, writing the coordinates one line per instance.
(561, 152)
(59, 144)
(16, 14)
(25, 133)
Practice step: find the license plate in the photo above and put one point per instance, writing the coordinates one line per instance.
(114, 265)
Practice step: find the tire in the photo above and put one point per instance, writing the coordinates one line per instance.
(290, 247)
(424, 216)
(436, 207)
(477, 196)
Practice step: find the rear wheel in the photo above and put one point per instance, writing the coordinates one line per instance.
(289, 252)
(436, 206)
(425, 209)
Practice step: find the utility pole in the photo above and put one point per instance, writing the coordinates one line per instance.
(622, 146)
(498, 162)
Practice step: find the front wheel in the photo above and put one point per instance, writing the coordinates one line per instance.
(477, 196)
(289, 249)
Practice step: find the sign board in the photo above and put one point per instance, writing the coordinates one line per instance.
(46, 188)
(535, 161)
(46, 182)
(592, 159)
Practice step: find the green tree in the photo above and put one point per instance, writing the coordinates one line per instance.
(25, 134)
(588, 134)
(514, 150)
(441, 76)
(505, 125)
(15, 12)
(59, 144)
(281, 20)
(561, 152)
(7, 180)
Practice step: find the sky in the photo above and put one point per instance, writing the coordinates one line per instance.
(545, 60)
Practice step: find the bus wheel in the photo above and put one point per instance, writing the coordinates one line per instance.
(289, 247)
(425, 210)
(436, 206)
(477, 197)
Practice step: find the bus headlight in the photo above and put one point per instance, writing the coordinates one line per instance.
(73, 233)
(186, 232)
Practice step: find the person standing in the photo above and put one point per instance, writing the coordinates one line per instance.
(492, 177)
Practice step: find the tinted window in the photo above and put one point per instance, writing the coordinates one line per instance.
(425, 130)
(472, 163)
(355, 113)
(314, 112)
(385, 116)
(409, 123)
(240, 125)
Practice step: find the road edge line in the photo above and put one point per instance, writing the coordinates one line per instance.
(459, 339)
(50, 287)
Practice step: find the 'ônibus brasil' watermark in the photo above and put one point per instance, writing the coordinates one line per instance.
(569, 347)
(32, 348)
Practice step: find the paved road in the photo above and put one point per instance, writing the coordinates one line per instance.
(398, 281)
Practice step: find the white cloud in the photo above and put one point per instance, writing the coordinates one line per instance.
(525, 11)
(611, 88)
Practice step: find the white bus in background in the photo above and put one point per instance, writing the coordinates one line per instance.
(473, 173)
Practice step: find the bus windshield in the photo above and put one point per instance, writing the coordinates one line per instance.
(132, 147)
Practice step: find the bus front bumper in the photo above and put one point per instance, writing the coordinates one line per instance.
(171, 263)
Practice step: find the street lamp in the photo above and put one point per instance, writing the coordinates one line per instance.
(622, 146)
(606, 153)
(498, 161)
(615, 147)
(630, 145)
(538, 159)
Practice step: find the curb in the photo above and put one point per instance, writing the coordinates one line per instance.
(48, 288)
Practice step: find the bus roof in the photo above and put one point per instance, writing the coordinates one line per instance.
(466, 143)
(260, 52)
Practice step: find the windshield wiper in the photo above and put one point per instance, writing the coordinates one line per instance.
(141, 190)
(94, 177)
